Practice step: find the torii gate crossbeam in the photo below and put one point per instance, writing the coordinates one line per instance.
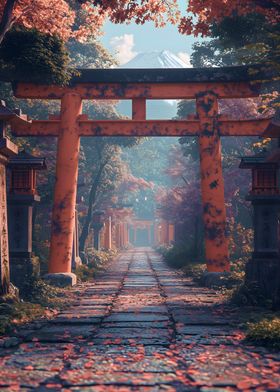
(206, 86)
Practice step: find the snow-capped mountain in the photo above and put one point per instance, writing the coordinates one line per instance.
(163, 59)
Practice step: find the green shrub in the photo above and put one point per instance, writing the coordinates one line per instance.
(179, 256)
(38, 299)
(195, 271)
(97, 260)
(163, 249)
(248, 295)
(266, 332)
(31, 56)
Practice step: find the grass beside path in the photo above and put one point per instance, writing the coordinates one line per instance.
(41, 301)
(256, 316)
(265, 332)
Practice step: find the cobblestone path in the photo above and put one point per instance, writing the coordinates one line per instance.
(139, 327)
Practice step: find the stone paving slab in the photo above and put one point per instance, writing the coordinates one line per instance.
(139, 326)
(23, 378)
(123, 308)
(86, 311)
(206, 330)
(71, 319)
(50, 358)
(59, 333)
(136, 317)
(149, 333)
(122, 388)
(133, 341)
(124, 363)
(82, 377)
(199, 319)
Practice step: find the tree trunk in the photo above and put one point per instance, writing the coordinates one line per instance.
(268, 4)
(7, 18)
(91, 201)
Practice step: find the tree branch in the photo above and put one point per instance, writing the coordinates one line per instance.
(7, 18)
(91, 202)
(268, 4)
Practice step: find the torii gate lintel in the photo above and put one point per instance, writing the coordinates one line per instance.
(206, 86)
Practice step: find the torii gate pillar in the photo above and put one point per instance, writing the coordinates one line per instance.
(208, 126)
(212, 184)
(63, 216)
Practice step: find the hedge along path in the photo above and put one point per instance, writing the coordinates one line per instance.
(139, 326)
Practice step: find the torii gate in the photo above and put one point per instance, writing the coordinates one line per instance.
(206, 86)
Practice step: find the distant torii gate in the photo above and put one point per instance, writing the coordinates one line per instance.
(206, 86)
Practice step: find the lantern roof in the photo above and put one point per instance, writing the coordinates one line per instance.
(273, 130)
(261, 159)
(5, 113)
(24, 159)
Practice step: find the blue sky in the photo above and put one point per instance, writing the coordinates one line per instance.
(132, 39)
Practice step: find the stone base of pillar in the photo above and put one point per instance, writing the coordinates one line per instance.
(61, 279)
(265, 274)
(22, 269)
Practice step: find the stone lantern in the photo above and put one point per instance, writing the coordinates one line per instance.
(264, 266)
(97, 225)
(21, 200)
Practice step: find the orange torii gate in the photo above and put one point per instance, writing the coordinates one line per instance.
(206, 86)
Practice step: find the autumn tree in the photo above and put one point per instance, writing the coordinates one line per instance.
(81, 19)
(93, 150)
(203, 14)
(84, 18)
(103, 172)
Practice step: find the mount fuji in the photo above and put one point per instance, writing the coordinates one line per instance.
(165, 59)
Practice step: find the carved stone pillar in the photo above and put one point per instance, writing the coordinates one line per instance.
(7, 150)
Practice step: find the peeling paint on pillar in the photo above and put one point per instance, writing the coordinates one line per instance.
(63, 218)
(212, 184)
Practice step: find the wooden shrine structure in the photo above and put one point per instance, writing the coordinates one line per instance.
(156, 232)
(207, 86)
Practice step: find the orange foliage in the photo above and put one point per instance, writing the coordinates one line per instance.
(81, 18)
(206, 12)
(48, 16)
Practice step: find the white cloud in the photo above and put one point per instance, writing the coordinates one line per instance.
(123, 45)
(185, 57)
(171, 102)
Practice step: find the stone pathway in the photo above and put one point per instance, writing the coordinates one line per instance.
(139, 327)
